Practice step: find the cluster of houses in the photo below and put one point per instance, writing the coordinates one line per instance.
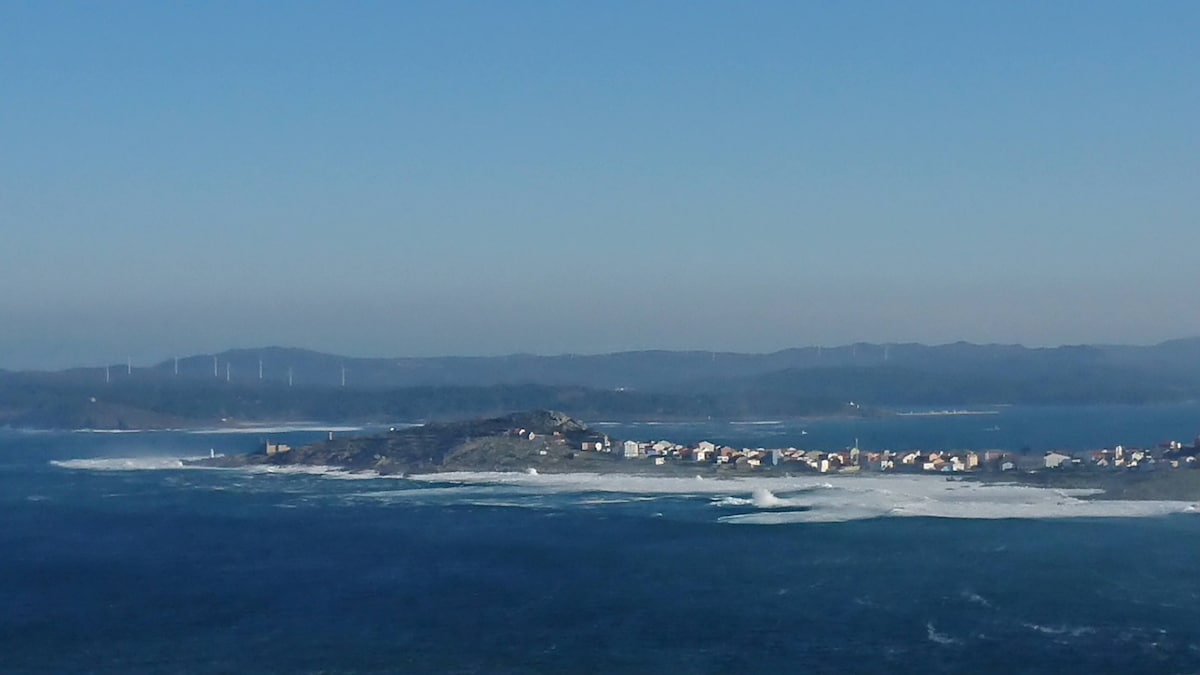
(1168, 454)
(1171, 454)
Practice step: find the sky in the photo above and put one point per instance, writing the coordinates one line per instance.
(478, 178)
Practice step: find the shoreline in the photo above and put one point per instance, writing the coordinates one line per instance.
(1173, 485)
(751, 499)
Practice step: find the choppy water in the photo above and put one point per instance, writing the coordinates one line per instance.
(115, 559)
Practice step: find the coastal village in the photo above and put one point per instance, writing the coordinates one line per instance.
(1165, 455)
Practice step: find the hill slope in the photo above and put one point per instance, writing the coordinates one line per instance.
(539, 438)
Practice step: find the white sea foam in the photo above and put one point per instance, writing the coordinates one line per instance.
(123, 463)
(179, 463)
(508, 504)
(623, 483)
(971, 596)
(600, 501)
(799, 500)
(759, 500)
(1073, 631)
(791, 517)
(939, 638)
(422, 493)
(279, 429)
(309, 470)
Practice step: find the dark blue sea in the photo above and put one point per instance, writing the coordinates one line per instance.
(114, 559)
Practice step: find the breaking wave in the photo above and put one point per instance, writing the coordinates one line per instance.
(748, 500)
(124, 463)
(181, 463)
(836, 499)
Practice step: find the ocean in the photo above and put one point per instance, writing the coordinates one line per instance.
(115, 559)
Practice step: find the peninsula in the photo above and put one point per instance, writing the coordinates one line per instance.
(552, 442)
(539, 439)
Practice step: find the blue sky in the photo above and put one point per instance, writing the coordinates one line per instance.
(488, 178)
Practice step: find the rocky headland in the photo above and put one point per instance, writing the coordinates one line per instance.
(540, 439)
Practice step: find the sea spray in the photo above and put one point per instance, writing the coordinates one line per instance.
(765, 499)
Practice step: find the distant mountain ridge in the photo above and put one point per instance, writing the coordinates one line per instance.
(647, 369)
(300, 384)
(661, 370)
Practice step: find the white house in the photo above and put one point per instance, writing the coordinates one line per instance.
(1054, 460)
(631, 449)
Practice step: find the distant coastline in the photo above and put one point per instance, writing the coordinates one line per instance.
(260, 386)
(944, 413)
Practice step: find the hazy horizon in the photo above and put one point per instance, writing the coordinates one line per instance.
(150, 361)
(422, 179)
